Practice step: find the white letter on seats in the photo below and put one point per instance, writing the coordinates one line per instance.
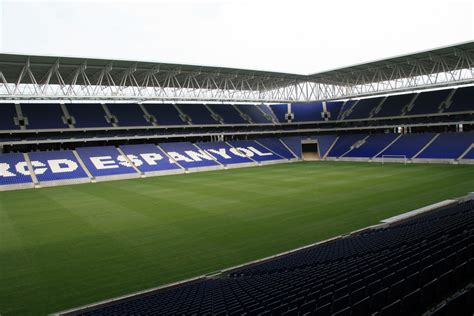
(242, 152)
(221, 152)
(258, 152)
(124, 161)
(62, 165)
(178, 157)
(103, 162)
(41, 170)
(198, 156)
(151, 158)
(4, 170)
(21, 168)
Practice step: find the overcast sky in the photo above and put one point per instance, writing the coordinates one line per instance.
(288, 36)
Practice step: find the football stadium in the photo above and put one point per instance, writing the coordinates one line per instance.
(134, 188)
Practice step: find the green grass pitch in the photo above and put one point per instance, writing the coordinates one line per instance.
(68, 246)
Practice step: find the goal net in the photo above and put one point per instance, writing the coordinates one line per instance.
(394, 158)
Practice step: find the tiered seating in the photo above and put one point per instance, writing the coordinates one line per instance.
(198, 114)
(470, 154)
(149, 158)
(253, 112)
(394, 105)
(334, 108)
(344, 144)
(462, 100)
(294, 143)
(42, 115)
(104, 161)
(128, 114)
(56, 165)
(429, 102)
(188, 155)
(88, 115)
(448, 146)
(345, 106)
(372, 146)
(276, 146)
(165, 114)
(405, 269)
(7, 115)
(324, 142)
(280, 110)
(304, 112)
(254, 150)
(363, 108)
(13, 169)
(226, 154)
(228, 113)
(408, 145)
(267, 111)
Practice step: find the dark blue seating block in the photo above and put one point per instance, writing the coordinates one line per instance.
(88, 115)
(7, 115)
(363, 108)
(56, 165)
(253, 112)
(228, 113)
(448, 146)
(373, 145)
(165, 114)
(462, 100)
(275, 145)
(408, 145)
(43, 115)
(428, 102)
(128, 114)
(280, 111)
(344, 143)
(334, 107)
(13, 169)
(470, 154)
(307, 112)
(393, 105)
(198, 113)
(294, 144)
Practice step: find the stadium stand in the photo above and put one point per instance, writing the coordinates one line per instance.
(394, 105)
(7, 117)
(463, 100)
(105, 161)
(165, 114)
(267, 112)
(448, 146)
(275, 145)
(363, 108)
(87, 115)
(198, 113)
(346, 143)
(304, 112)
(408, 145)
(188, 155)
(280, 110)
(429, 102)
(228, 113)
(56, 165)
(421, 265)
(255, 151)
(334, 108)
(128, 114)
(148, 158)
(254, 113)
(469, 154)
(226, 154)
(13, 169)
(372, 145)
(43, 115)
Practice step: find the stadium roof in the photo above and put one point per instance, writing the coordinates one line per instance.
(48, 77)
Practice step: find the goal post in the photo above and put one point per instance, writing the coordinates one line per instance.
(394, 158)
